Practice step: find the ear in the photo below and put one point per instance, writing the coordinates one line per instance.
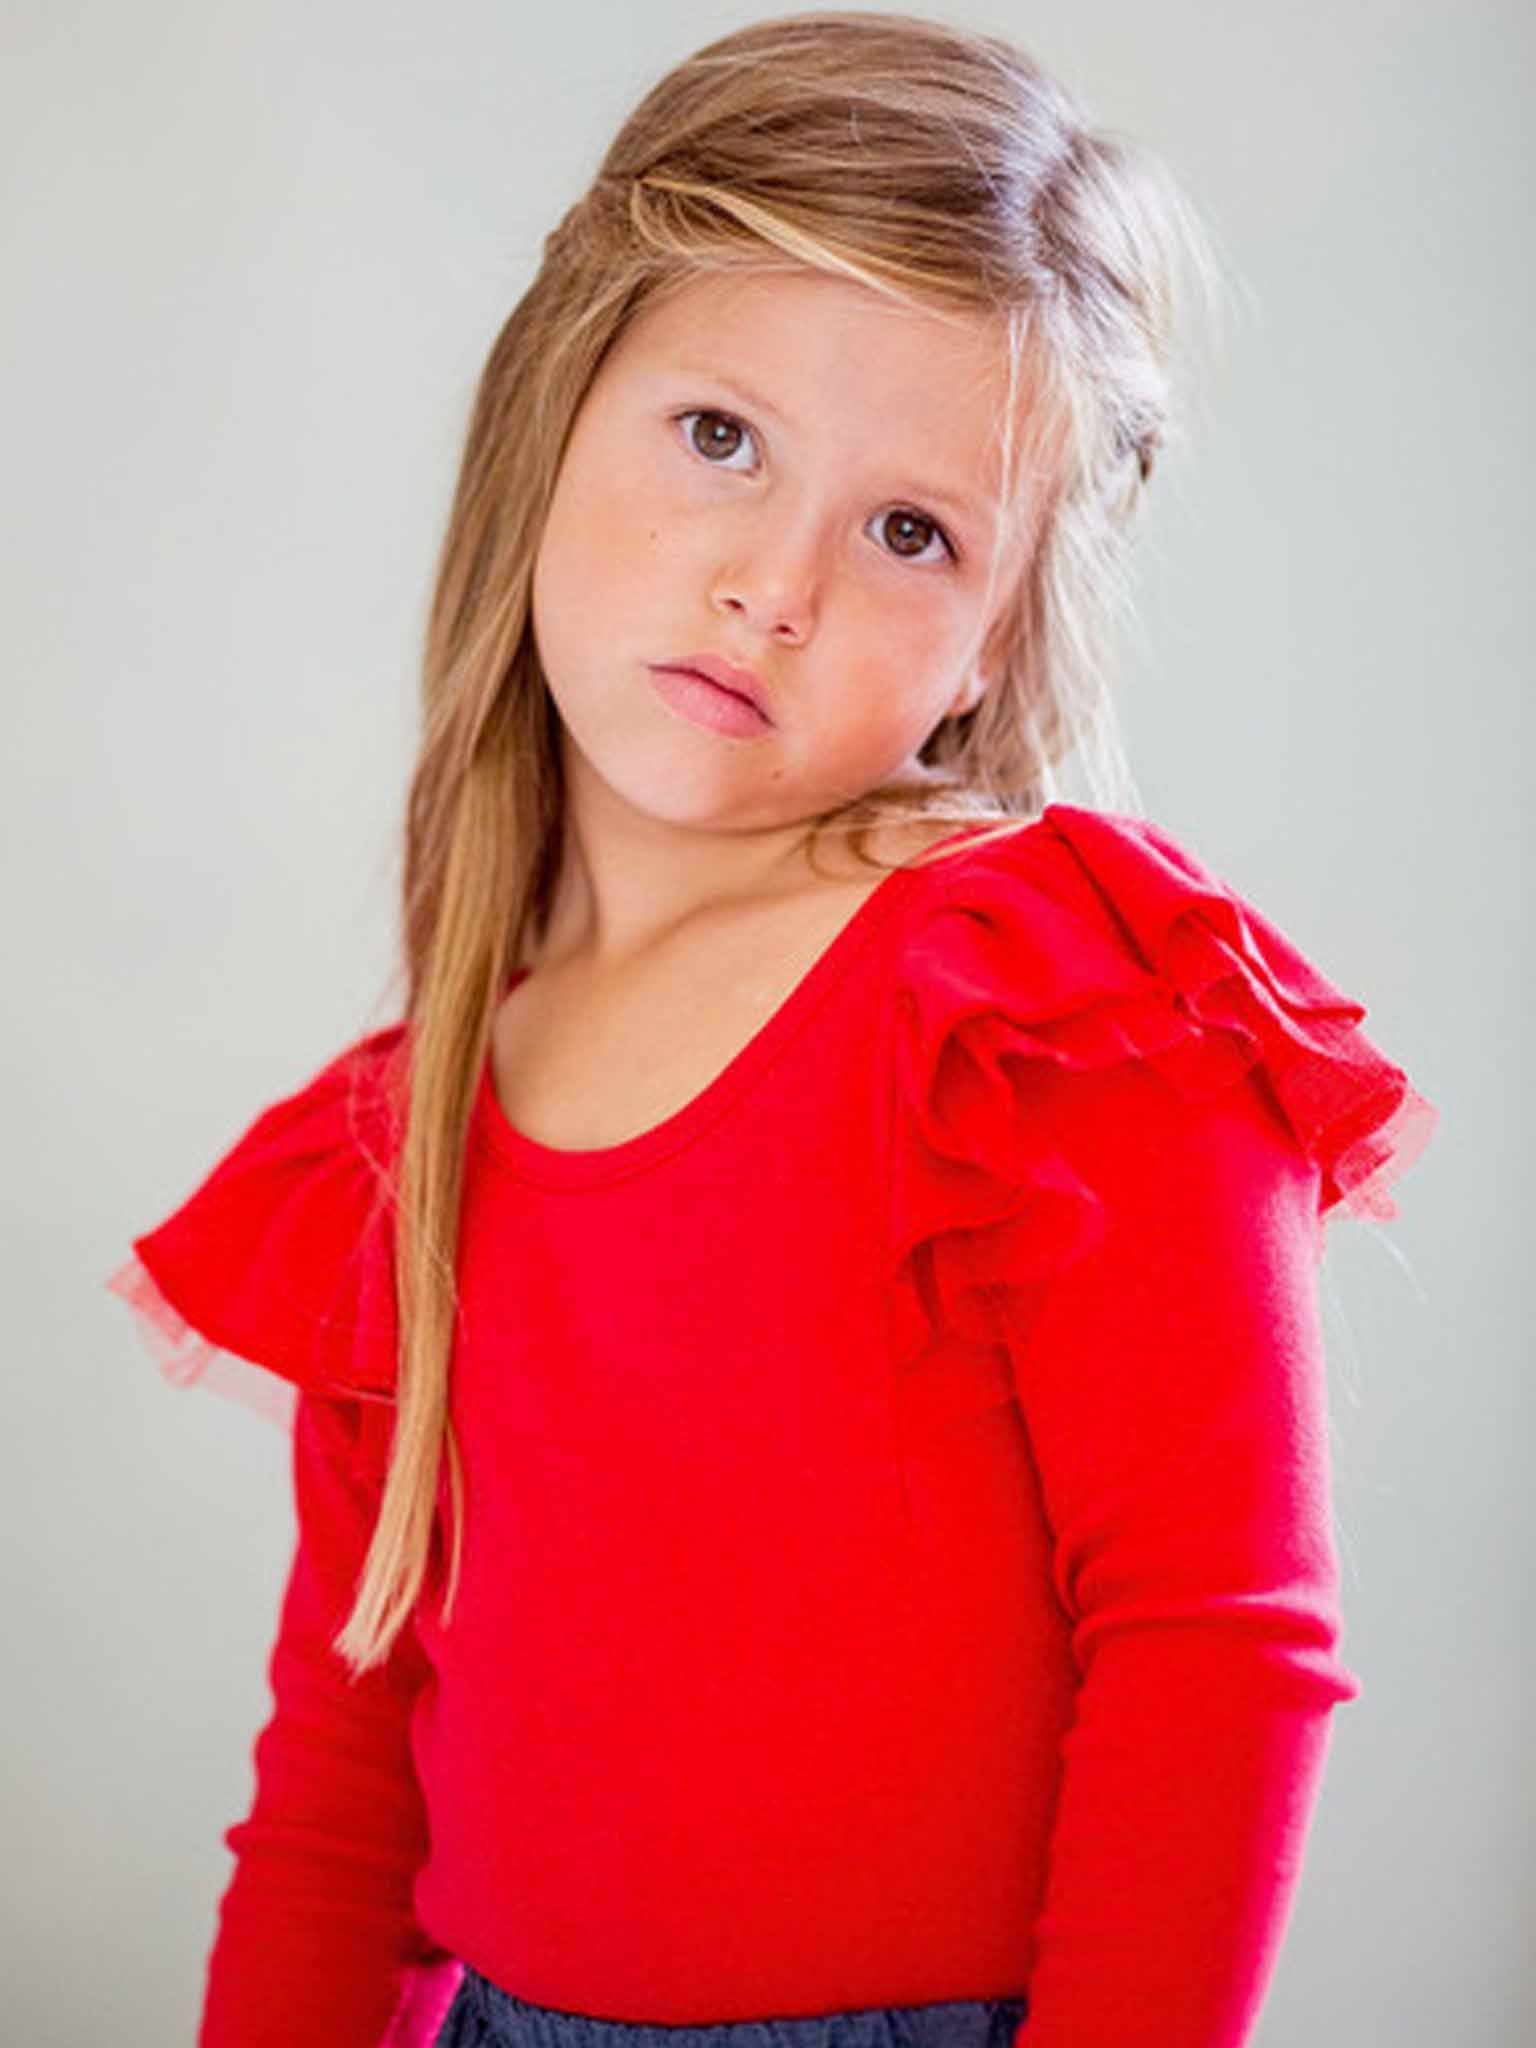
(981, 675)
(969, 694)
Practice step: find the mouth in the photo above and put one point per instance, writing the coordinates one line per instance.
(724, 688)
(692, 695)
(728, 676)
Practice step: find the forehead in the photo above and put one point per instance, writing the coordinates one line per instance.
(802, 323)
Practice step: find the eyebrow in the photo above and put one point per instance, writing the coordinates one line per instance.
(957, 502)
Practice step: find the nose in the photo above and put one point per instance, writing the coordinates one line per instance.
(774, 583)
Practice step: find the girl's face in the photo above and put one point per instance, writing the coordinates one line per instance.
(793, 474)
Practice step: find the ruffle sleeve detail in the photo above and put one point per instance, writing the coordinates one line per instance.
(1081, 940)
(277, 1272)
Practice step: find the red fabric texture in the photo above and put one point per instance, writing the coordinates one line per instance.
(898, 1559)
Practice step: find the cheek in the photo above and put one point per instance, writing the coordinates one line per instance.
(587, 550)
(878, 710)
(900, 639)
(615, 522)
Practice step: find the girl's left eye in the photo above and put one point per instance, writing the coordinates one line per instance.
(734, 426)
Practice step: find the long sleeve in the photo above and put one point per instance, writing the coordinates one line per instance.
(317, 1946)
(1129, 1105)
(273, 1283)
(1173, 1388)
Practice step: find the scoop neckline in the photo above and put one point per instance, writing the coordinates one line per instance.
(560, 1166)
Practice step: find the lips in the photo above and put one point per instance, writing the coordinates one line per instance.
(725, 675)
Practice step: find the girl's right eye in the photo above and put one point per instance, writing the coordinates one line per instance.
(733, 425)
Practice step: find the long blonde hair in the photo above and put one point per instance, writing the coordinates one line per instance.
(947, 171)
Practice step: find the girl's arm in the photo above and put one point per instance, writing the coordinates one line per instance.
(317, 1942)
(1173, 1386)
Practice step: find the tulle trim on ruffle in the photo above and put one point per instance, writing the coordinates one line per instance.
(185, 1357)
(1080, 942)
(277, 1274)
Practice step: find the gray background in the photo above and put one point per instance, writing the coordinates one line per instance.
(252, 259)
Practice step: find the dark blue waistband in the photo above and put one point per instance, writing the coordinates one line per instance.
(483, 2015)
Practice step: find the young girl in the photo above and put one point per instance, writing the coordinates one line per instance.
(801, 1342)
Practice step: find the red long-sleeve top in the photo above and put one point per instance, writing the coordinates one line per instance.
(897, 1560)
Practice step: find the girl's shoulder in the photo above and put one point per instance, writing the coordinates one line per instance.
(1086, 942)
(275, 1274)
